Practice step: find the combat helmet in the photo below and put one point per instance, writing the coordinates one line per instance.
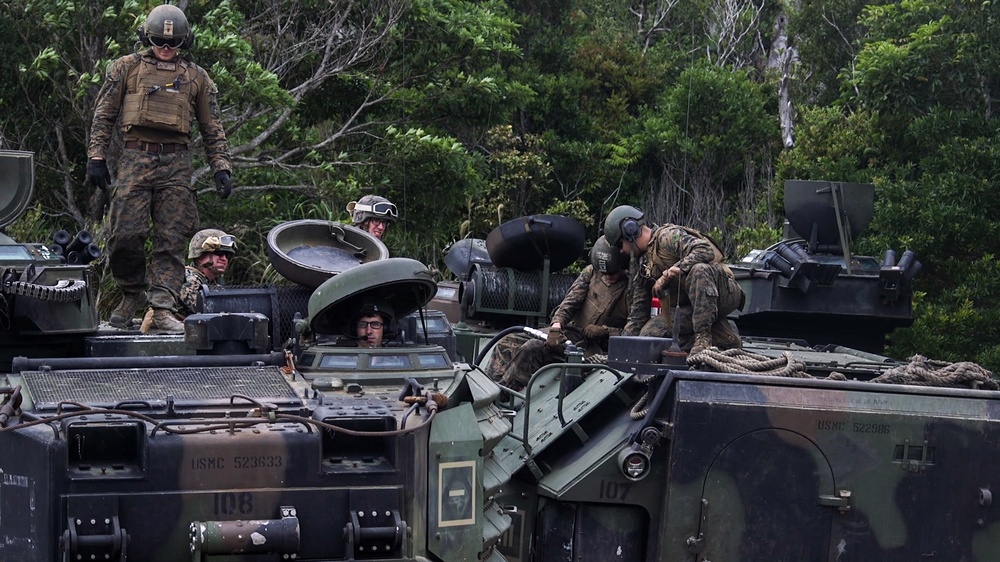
(606, 258)
(166, 25)
(211, 240)
(623, 222)
(372, 207)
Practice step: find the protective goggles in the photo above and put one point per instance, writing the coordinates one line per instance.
(378, 209)
(172, 42)
(225, 243)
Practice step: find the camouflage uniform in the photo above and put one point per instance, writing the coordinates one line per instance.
(194, 280)
(708, 290)
(154, 102)
(589, 301)
(640, 291)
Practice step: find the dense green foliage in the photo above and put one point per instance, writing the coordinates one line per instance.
(467, 113)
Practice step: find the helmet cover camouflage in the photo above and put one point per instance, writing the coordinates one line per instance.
(372, 207)
(211, 240)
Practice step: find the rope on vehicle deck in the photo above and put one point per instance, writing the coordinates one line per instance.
(919, 371)
(922, 371)
(740, 361)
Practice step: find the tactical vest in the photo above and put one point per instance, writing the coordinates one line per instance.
(603, 304)
(158, 95)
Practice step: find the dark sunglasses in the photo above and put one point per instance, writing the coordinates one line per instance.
(173, 42)
(376, 325)
(379, 209)
(222, 253)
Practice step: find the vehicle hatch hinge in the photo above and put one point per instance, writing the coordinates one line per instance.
(94, 539)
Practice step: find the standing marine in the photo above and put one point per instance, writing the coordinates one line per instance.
(685, 269)
(594, 309)
(153, 97)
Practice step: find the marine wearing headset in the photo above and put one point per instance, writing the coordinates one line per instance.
(685, 269)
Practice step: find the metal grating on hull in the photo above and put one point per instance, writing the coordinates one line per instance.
(187, 385)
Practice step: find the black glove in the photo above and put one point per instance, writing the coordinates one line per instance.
(223, 183)
(555, 340)
(596, 333)
(98, 174)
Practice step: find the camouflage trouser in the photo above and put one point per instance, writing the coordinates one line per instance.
(503, 352)
(518, 355)
(152, 188)
(708, 294)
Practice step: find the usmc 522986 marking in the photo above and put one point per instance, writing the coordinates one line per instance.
(854, 427)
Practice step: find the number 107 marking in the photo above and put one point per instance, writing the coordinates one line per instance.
(614, 490)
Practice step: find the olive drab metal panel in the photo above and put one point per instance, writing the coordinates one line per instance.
(17, 181)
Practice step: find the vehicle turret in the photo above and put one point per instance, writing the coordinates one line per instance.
(811, 287)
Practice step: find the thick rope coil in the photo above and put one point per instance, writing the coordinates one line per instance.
(739, 361)
(922, 371)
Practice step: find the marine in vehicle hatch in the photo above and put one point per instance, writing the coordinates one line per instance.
(372, 323)
(154, 96)
(594, 309)
(373, 214)
(684, 268)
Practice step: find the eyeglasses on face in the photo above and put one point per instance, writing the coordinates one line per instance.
(223, 253)
(376, 325)
(173, 42)
(380, 209)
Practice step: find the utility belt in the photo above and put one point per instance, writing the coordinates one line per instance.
(156, 147)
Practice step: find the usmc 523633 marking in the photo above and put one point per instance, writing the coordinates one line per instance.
(238, 462)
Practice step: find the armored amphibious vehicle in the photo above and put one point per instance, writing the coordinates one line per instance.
(794, 448)
(251, 438)
(229, 442)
